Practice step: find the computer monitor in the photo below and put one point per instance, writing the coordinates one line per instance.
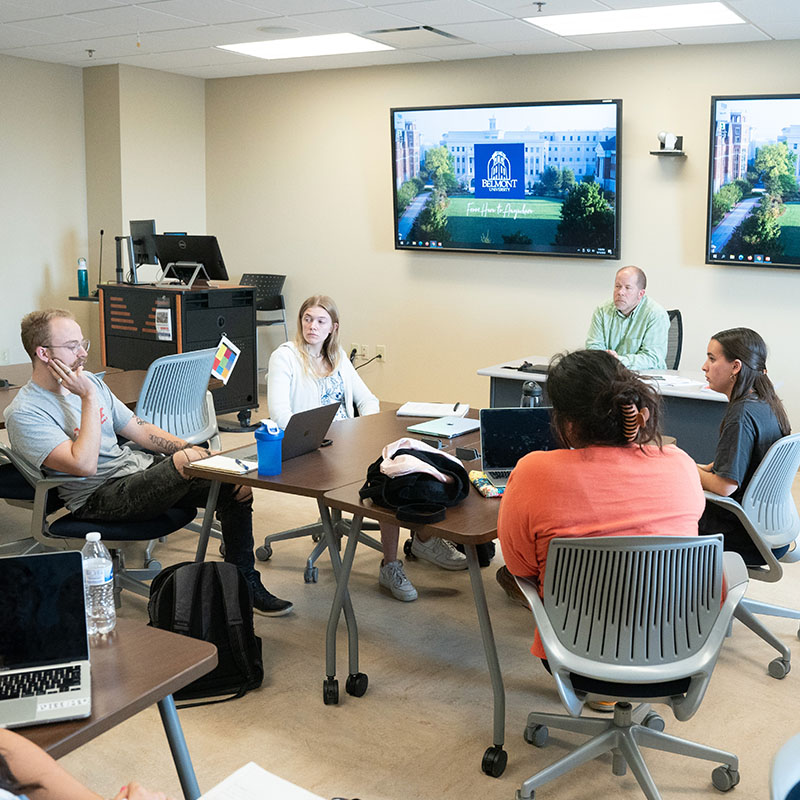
(192, 249)
(142, 233)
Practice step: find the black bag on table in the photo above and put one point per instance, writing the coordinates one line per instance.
(213, 602)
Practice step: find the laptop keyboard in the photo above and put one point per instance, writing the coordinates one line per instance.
(40, 682)
(498, 473)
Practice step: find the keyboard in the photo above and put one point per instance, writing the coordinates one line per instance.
(494, 474)
(40, 682)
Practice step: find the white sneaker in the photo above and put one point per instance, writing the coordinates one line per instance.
(440, 552)
(393, 578)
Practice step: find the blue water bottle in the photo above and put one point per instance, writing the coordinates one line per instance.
(268, 441)
(83, 278)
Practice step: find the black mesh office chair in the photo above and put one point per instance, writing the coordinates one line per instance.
(674, 339)
(269, 301)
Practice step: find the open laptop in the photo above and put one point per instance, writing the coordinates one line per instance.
(445, 427)
(304, 432)
(44, 645)
(507, 434)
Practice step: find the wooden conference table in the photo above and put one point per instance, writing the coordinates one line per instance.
(692, 412)
(127, 678)
(333, 476)
(126, 385)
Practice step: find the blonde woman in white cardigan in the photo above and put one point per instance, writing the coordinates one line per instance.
(314, 370)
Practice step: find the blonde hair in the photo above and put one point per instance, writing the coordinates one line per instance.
(330, 347)
(35, 328)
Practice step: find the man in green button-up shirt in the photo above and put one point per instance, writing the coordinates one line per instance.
(631, 326)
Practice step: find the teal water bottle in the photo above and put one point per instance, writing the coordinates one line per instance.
(83, 278)
(268, 443)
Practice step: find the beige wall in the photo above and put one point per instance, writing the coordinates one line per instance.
(43, 202)
(281, 147)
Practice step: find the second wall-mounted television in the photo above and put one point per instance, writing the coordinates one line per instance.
(754, 180)
(539, 178)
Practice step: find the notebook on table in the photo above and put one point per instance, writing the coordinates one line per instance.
(44, 645)
(508, 434)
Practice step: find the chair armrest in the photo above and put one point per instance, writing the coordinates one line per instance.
(774, 570)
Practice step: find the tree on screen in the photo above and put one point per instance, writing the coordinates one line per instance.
(432, 220)
(760, 232)
(775, 165)
(441, 170)
(587, 219)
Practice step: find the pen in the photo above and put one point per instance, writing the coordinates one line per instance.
(455, 407)
(242, 464)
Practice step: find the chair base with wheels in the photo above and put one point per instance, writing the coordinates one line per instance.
(314, 530)
(623, 737)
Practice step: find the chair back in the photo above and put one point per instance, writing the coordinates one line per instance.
(633, 601)
(674, 339)
(268, 290)
(768, 501)
(173, 395)
(784, 781)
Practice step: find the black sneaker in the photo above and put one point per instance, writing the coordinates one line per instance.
(266, 603)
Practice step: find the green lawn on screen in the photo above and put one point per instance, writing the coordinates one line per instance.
(790, 229)
(469, 218)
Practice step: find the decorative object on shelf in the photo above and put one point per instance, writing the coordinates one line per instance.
(671, 145)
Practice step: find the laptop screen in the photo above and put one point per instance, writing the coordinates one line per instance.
(507, 434)
(42, 616)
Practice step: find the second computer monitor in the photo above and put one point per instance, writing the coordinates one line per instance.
(193, 249)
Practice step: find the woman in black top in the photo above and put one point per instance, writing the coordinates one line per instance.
(736, 365)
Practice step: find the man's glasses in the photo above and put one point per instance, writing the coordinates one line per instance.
(75, 347)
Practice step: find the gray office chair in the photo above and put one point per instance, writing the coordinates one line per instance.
(633, 619)
(674, 339)
(769, 515)
(784, 781)
(55, 530)
(269, 301)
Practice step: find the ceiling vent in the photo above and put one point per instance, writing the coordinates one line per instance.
(417, 36)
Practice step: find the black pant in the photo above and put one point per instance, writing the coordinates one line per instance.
(149, 493)
(716, 519)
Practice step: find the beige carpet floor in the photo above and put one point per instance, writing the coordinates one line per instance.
(422, 727)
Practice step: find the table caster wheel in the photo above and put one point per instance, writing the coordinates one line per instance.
(153, 564)
(330, 691)
(518, 795)
(654, 721)
(494, 761)
(779, 668)
(264, 553)
(724, 778)
(311, 575)
(357, 684)
(222, 549)
(407, 549)
(536, 735)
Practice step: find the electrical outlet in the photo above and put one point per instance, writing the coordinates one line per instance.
(3, 356)
(380, 351)
(354, 346)
(364, 351)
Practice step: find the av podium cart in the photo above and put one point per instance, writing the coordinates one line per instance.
(139, 324)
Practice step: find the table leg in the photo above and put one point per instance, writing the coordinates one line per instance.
(177, 745)
(208, 519)
(356, 682)
(495, 758)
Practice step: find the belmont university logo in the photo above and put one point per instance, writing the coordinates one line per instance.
(503, 176)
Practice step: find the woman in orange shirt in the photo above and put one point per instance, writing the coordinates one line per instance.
(613, 477)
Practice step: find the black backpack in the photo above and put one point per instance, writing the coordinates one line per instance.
(211, 601)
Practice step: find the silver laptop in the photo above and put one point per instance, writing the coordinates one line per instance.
(445, 427)
(507, 434)
(44, 645)
(304, 432)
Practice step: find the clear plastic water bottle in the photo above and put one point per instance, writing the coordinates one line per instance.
(98, 572)
(83, 278)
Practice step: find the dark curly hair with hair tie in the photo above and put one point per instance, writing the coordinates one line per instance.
(598, 401)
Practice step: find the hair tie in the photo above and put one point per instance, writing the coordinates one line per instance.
(633, 419)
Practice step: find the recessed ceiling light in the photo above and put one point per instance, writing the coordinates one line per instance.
(687, 15)
(300, 47)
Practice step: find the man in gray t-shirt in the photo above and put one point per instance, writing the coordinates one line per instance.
(66, 421)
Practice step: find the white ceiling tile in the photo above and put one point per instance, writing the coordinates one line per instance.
(782, 30)
(715, 34)
(621, 41)
(357, 20)
(17, 10)
(134, 19)
(550, 44)
(438, 12)
(758, 11)
(528, 8)
(289, 7)
(210, 12)
(499, 31)
(14, 37)
(457, 52)
(64, 28)
(202, 57)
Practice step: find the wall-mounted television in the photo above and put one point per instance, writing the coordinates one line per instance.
(754, 175)
(539, 178)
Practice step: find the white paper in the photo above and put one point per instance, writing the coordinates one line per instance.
(433, 410)
(251, 781)
(226, 464)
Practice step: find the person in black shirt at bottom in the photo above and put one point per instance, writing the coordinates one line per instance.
(736, 365)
